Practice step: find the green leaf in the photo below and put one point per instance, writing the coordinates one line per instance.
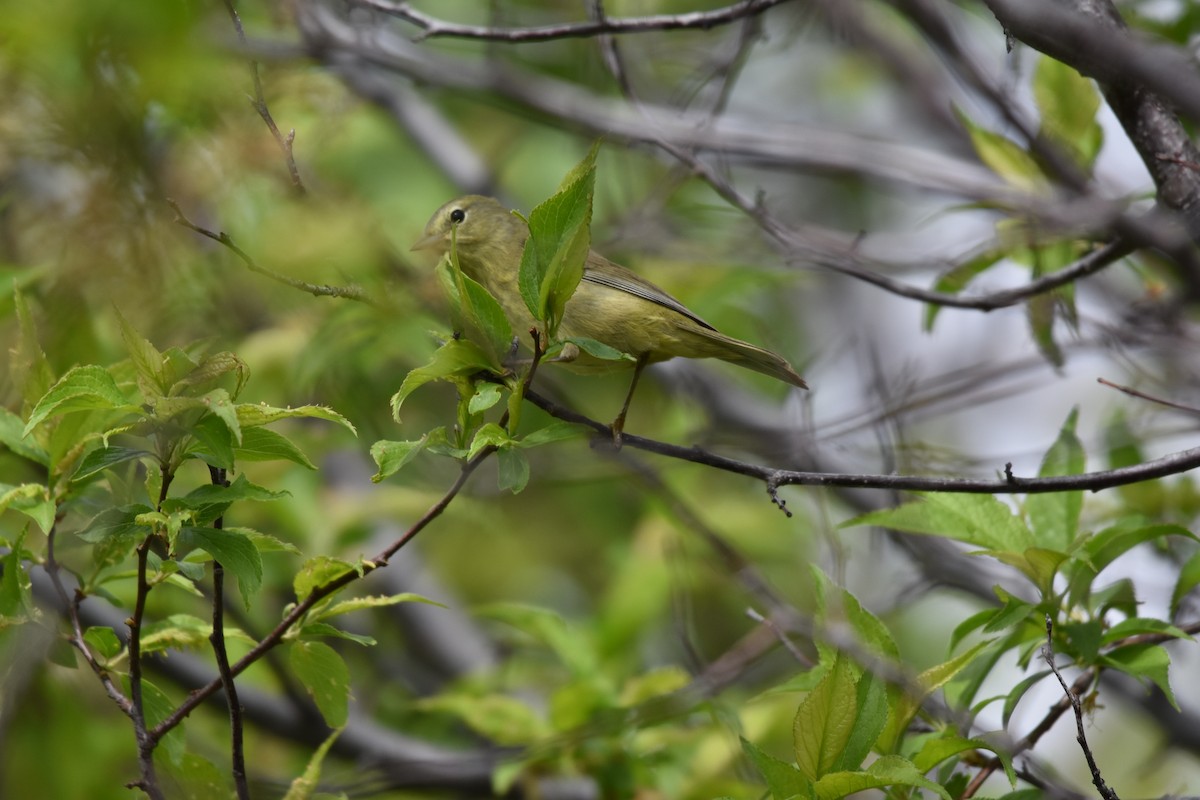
(905, 706)
(12, 436)
(558, 244)
(488, 435)
(456, 358)
(938, 749)
(1017, 692)
(1143, 625)
(326, 677)
(158, 706)
(16, 600)
(556, 431)
(1189, 577)
(30, 369)
(783, 779)
(32, 500)
(251, 415)
(956, 279)
(213, 442)
(240, 489)
(885, 771)
(482, 315)
(1005, 157)
(825, 720)
(176, 632)
(147, 361)
(319, 571)
(977, 519)
(1068, 103)
(318, 630)
(305, 786)
(211, 369)
(120, 523)
(103, 640)
(513, 469)
(234, 550)
(547, 627)
(86, 388)
(835, 603)
(376, 601)
(486, 395)
(1105, 547)
(1054, 516)
(102, 458)
(264, 444)
(1040, 311)
(1149, 661)
(391, 457)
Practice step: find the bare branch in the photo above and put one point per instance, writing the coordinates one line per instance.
(703, 20)
(1081, 737)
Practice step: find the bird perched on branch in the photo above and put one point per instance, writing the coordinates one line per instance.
(612, 305)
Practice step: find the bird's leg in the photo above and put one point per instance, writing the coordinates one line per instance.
(618, 424)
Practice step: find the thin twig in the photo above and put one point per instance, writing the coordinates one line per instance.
(1129, 390)
(301, 608)
(217, 638)
(317, 290)
(1081, 737)
(259, 103)
(1172, 464)
(431, 26)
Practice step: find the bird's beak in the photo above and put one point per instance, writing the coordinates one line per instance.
(428, 242)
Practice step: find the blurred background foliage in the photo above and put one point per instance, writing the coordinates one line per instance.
(113, 111)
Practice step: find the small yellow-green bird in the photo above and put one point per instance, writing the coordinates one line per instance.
(612, 305)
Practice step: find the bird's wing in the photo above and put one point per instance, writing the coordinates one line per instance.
(601, 271)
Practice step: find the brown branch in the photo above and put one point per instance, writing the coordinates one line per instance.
(259, 102)
(217, 639)
(703, 20)
(1173, 464)
(1129, 390)
(1081, 737)
(297, 612)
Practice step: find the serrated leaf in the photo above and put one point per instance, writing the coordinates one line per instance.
(1017, 692)
(1054, 516)
(264, 444)
(211, 368)
(325, 676)
(481, 314)
(251, 415)
(486, 395)
(375, 601)
(391, 457)
(241, 489)
(264, 542)
(513, 469)
(102, 458)
(489, 435)
(559, 241)
(317, 630)
(319, 571)
(980, 520)
(234, 550)
(783, 780)
(825, 721)
(905, 706)
(12, 436)
(16, 599)
(31, 499)
(885, 771)
(1142, 625)
(1149, 661)
(104, 641)
(147, 361)
(938, 749)
(456, 358)
(86, 388)
(213, 442)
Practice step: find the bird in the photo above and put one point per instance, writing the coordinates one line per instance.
(612, 304)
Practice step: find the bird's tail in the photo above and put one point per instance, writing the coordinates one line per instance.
(744, 354)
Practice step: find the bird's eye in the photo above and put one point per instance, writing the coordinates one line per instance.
(457, 215)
